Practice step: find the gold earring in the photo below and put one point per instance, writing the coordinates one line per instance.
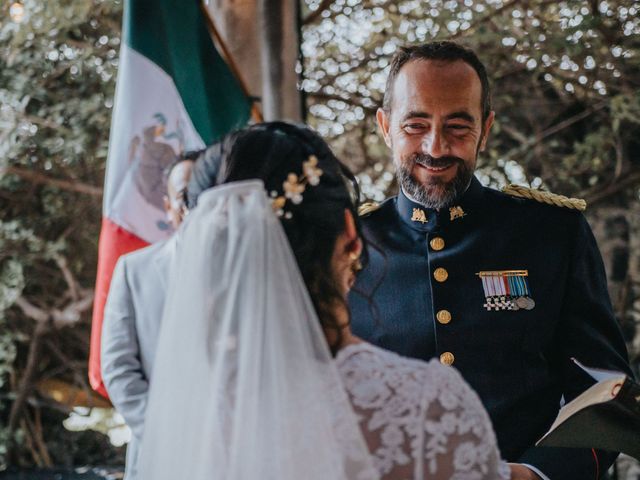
(356, 265)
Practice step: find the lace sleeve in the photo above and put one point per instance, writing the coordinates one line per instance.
(458, 441)
(420, 420)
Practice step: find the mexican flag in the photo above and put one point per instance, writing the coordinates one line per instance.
(174, 93)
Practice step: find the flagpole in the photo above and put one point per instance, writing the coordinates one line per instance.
(256, 114)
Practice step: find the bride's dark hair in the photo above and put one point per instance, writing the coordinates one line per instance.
(270, 152)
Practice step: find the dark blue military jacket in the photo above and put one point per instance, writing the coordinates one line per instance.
(420, 295)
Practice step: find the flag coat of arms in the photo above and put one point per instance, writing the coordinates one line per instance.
(174, 93)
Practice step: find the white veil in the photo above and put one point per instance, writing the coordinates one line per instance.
(244, 386)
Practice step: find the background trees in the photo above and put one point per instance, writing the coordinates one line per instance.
(57, 79)
(565, 76)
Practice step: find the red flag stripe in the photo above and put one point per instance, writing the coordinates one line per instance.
(114, 242)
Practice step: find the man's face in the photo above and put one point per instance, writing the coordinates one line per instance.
(174, 201)
(435, 129)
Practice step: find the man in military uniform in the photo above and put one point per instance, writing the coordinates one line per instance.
(506, 289)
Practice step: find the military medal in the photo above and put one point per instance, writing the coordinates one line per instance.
(506, 290)
(495, 293)
(523, 299)
(518, 301)
(513, 305)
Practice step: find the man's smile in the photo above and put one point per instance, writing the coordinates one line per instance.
(434, 169)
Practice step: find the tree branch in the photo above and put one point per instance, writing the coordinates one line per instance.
(72, 283)
(570, 121)
(26, 384)
(45, 322)
(73, 312)
(621, 162)
(348, 101)
(491, 15)
(36, 431)
(47, 123)
(31, 311)
(599, 194)
(554, 129)
(485, 19)
(30, 443)
(67, 364)
(514, 133)
(41, 179)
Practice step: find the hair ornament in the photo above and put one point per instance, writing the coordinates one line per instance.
(295, 186)
(311, 170)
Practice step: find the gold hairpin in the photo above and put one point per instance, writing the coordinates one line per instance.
(295, 186)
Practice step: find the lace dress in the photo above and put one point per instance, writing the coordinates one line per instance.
(420, 420)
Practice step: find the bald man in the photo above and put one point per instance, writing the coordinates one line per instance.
(133, 313)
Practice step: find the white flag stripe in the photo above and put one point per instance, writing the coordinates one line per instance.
(149, 127)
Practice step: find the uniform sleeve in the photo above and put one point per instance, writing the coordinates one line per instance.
(120, 353)
(590, 333)
(459, 441)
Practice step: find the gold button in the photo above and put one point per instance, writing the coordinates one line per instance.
(443, 316)
(437, 243)
(440, 274)
(447, 358)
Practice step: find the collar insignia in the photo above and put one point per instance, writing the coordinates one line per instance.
(456, 212)
(419, 216)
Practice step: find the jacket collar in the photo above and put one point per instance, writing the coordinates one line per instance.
(423, 219)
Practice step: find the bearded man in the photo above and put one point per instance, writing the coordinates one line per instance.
(508, 290)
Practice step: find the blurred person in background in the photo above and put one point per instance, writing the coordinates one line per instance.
(133, 312)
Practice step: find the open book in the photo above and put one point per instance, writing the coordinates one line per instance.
(606, 416)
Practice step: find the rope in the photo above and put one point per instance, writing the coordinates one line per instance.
(367, 208)
(545, 197)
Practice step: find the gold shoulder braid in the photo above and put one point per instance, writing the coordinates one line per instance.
(545, 197)
(367, 208)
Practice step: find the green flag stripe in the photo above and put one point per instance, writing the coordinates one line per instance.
(173, 34)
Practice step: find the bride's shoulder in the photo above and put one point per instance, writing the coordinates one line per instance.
(370, 371)
(373, 356)
(368, 351)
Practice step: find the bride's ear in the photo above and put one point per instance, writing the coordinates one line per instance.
(354, 243)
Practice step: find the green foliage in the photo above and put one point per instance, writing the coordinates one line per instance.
(11, 285)
(625, 108)
(57, 80)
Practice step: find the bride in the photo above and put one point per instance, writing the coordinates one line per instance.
(257, 374)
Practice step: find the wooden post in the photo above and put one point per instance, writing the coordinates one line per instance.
(262, 38)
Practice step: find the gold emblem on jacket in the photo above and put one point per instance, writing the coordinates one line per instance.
(419, 216)
(456, 212)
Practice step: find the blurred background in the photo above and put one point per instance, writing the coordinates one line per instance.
(566, 91)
